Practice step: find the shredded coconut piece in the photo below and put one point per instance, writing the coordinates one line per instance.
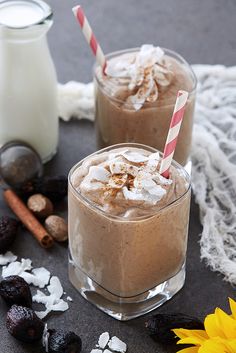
(117, 345)
(135, 157)
(39, 277)
(7, 258)
(52, 302)
(103, 340)
(55, 287)
(146, 73)
(123, 168)
(69, 299)
(42, 314)
(16, 268)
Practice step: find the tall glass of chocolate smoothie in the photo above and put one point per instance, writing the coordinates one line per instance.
(128, 229)
(135, 98)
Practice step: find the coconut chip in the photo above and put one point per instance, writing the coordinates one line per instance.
(69, 299)
(123, 168)
(135, 157)
(98, 173)
(117, 345)
(55, 287)
(52, 302)
(7, 258)
(16, 268)
(103, 340)
(39, 277)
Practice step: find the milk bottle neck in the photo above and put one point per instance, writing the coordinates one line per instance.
(24, 20)
(29, 34)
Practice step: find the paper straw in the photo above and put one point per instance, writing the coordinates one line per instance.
(90, 37)
(173, 132)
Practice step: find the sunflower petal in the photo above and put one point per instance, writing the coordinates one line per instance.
(183, 333)
(211, 346)
(212, 326)
(191, 340)
(231, 346)
(227, 323)
(180, 332)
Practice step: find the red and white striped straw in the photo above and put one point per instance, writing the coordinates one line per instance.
(173, 133)
(90, 37)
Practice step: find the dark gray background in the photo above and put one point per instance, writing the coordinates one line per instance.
(203, 32)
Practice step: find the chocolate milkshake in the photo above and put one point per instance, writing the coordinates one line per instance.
(128, 229)
(135, 98)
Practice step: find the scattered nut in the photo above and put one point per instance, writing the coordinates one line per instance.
(55, 188)
(57, 227)
(23, 324)
(62, 341)
(15, 290)
(40, 205)
(8, 230)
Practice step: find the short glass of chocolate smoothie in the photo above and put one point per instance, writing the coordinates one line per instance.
(135, 98)
(128, 229)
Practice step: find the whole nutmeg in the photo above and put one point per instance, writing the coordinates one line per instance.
(57, 227)
(40, 205)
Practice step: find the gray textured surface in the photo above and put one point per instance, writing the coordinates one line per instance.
(203, 32)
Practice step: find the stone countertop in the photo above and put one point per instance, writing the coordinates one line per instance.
(191, 29)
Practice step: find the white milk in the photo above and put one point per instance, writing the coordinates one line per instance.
(28, 84)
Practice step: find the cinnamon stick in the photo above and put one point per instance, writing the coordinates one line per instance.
(28, 219)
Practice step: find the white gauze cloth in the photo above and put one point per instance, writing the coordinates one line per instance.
(213, 157)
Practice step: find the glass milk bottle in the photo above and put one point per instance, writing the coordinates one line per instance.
(28, 83)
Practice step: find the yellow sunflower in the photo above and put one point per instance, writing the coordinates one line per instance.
(219, 335)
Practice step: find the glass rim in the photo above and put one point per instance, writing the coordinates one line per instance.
(47, 13)
(131, 50)
(121, 218)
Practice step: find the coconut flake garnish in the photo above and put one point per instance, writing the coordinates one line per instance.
(39, 277)
(162, 180)
(69, 299)
(132, 195)
(135, 157)
(95, 178)
(132, 173)
(7, 258)
(16, 268)
(55, 287)
(52, 302)
(147, 71)
(117, 181)
(98, 173)
(153, 161)
(117, 345)
(103, 340)
(123, 168)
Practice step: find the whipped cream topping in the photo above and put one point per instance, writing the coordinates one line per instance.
(143, 72)
(128, 175)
